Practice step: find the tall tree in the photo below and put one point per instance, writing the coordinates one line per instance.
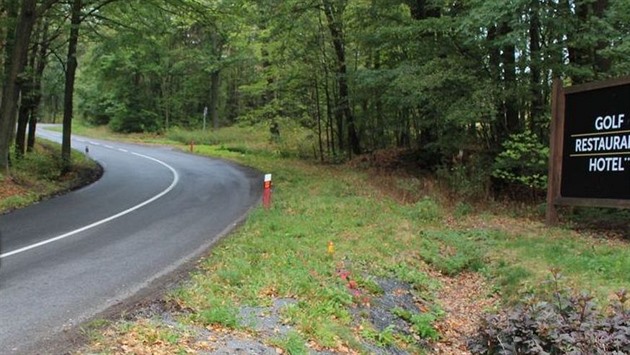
(16, 61)
(71, 69)
(334, 11)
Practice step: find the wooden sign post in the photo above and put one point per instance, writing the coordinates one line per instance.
(589, 162)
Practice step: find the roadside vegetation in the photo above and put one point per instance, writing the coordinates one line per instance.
(336, 239)
(39, 174)
(408, 141)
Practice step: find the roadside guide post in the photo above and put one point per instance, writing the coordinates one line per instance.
(267, 191)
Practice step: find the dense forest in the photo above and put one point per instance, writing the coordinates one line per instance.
(464, 84)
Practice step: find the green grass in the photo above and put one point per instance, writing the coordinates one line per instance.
(39, 175)
(592, 265)
(282, 252)
(292, 343)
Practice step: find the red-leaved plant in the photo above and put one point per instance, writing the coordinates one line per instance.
(563, 323)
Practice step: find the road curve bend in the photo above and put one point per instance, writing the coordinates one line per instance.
(72, 257)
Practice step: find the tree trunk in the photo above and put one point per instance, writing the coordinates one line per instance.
(508, 61)
(586, 59)
(318, 111)
(11, 89)
(536, 88)
(330, 124)
(37, 98)
(215, 78)
(420, 9)
(71, 68)
(27, 96)
(335, 25)
(601, 64)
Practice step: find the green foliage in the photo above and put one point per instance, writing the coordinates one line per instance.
(422, 324)
(13, 202)
(462, 209)
(40, 174)
(413, 276)
(468, 181)
(444, 79)
(425, 210)
(523, 161)
(144, 83)
(453, 252)
(40, 165)
(384, 338)
(220, 314)
(511, 280)
(292, 343)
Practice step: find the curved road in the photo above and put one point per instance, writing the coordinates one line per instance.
(72, 257)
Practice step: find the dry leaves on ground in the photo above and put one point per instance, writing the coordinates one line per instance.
(464, 298)
(9, 188)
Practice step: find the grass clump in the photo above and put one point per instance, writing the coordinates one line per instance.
(384, 338)
(453, 252)
(422, 324)
(292, 343)
(220, 314)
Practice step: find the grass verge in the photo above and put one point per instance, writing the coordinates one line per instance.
(37, 175)
(332, 240)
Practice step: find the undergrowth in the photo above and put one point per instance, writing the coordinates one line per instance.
(557, 322)
(38, 174)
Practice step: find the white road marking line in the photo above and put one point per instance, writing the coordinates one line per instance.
(108, 146)
(108, 219)
(123, 150)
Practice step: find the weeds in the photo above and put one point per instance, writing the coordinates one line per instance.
(292, 343)
(383, 339)
(421, 323)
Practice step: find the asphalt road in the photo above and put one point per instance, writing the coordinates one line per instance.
(72, 257)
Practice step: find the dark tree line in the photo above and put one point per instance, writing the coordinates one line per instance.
(449, 80)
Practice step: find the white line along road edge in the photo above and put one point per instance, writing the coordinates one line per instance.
(108, 219)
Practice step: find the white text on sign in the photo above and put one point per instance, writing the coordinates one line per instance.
(609, 122)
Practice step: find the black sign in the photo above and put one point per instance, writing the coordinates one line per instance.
(596, 151)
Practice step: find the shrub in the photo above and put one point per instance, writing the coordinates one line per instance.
(424, 211)
(558, 324)
(523, 161)
(468, 181)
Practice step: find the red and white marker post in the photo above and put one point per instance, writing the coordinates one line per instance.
(267, 191)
